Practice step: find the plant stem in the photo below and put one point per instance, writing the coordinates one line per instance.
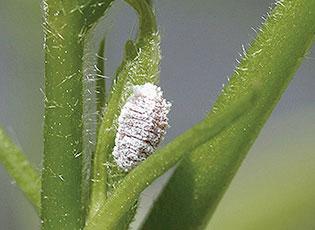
(193, 192)
(20, 169)
(97, 189)
(126, 194)
(100, 82)
(62, 206)
(140, 65)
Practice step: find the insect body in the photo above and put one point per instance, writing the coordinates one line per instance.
(141, 125)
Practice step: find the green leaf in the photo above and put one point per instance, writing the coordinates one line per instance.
(193, 192)
(140, 65)
(93, 10)
(112, 212)
(20, 169)
(147, 20)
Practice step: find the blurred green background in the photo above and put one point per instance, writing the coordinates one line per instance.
(275, 186)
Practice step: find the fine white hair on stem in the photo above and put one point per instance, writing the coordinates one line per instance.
(142, 125)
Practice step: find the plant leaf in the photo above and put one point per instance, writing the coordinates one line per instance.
(93, 10)
(20, 169)
(140, 65)
(115, 208)
(193, 192)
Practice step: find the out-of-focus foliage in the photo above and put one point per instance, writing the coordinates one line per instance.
(274, 188)
(199, 182)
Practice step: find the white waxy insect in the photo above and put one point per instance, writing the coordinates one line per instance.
(142, 125)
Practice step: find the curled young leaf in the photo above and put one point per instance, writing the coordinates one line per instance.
(139, 66)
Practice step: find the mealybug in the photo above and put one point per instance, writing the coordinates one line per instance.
(141, 125)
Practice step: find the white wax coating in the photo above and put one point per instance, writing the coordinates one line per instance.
(142, 125)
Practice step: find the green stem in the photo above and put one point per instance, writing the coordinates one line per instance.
(98, 189)
(20, 169)
(193, 192)
(62, 207)
(106, 135)
(100, 81)
(66, 25)
(147, 19)
(140, 65)
(113, 210)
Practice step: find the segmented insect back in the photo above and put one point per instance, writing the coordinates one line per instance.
(142, 125)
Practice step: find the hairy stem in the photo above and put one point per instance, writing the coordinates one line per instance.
(140, 65)
(100, 81)
(62, 206)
